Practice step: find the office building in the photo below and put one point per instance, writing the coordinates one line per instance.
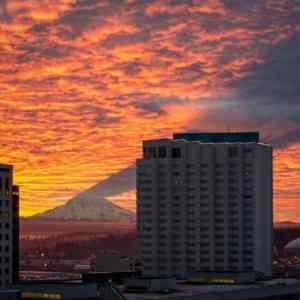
(16, 233)
(204, 203)
(9, 227)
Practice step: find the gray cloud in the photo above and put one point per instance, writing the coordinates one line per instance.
(151, 104)
(118, 39)
(4, 15)
(288, 138)
(82, 16)
(98, 115)
(268, 98)
(277, 80)
(190, 73)
(150, 108)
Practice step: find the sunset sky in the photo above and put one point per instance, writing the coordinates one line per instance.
(83, 82)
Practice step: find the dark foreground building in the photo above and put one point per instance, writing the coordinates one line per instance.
(9, 227)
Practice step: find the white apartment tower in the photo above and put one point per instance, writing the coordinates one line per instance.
(9, 228)
(204, 203)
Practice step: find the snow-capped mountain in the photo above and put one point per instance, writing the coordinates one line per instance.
(92, 204)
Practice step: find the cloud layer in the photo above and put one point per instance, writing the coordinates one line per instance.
(83, 82)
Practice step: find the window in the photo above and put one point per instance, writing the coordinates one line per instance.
(247, 165)
(233, 152)
(145, 181)
(152, 152)
(219, 220)
(204, 236)
(217, 228)
(232, 173)
(247, 150)
(248, 153)
(219, 236)
(176, 152)
(6, 186)
(149, 152)
(162, 152)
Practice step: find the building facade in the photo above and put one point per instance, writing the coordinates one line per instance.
(9, 235)
(16, 233)
(204, 204)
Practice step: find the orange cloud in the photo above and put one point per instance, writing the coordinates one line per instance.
(82, 83)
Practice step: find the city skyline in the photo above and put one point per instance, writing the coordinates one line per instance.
(84, 82)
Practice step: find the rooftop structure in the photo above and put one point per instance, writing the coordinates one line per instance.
(219, 137)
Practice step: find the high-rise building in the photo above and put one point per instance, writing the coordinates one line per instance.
(16, 233)
(9, 218)
(204, 203)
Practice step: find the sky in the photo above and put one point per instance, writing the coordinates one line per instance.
(83, 82)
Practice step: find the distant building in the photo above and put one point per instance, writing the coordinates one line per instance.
(9, 227)
(107, 261)
(204, 203)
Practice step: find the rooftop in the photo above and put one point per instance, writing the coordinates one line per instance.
(219, 137)
(229, 291)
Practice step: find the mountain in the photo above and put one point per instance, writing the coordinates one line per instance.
(287, 224)
(92, 204)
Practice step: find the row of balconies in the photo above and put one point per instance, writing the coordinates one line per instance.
(204, 212)
(190, 167)
(202, 173)
(204, 239)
